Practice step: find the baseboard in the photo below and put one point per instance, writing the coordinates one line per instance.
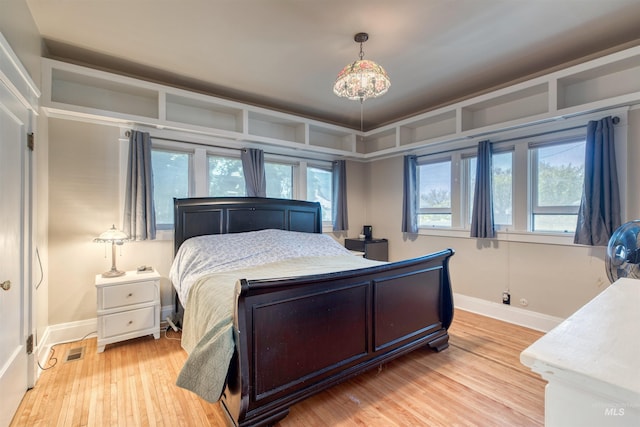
(166, 311)
(508, 313)
(74, 331)
(62, 333)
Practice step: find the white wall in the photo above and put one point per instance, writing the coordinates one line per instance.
(18, 27)
(84, 201)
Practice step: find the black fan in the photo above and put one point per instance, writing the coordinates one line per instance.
(623, 252)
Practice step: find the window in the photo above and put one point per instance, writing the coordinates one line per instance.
(537, 186)
(557, 172)
(171, 173)
(434, 192)
(225, 177)
(193, 171)
(279, 178)
(319, 182)
(502, 187)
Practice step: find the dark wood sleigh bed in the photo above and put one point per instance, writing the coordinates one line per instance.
(295, 337)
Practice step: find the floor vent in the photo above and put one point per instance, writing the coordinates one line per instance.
(74, 354)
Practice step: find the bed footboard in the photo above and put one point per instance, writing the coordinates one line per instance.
(296, 337)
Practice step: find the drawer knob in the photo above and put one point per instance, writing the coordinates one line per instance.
(6, 285)
(130, 322)
(130, 295)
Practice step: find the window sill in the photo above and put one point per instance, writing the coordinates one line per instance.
(564, 239)
(164, 234)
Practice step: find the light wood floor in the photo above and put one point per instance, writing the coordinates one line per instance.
(477, 381)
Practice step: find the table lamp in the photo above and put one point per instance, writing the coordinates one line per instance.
(115, 237)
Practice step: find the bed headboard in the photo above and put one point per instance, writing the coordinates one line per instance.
(220, 215)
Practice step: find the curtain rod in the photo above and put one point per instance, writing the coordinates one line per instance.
(201, 144)
(614, 119)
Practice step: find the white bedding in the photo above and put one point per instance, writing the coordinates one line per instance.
(203, 255)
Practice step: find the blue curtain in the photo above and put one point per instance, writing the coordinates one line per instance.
(599, 213)
(482, 215)
(254, 175)
(339, 196)
(139, 211)
(410, 195)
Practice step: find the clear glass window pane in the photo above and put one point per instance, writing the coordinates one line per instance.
(434, 189)
(170, 179)
(555, 223)
(560, 177)
(472, 163)
(502, 179)
(434, 220)
(434, 183)
(226, 178)
(319, 190)
(279, 180)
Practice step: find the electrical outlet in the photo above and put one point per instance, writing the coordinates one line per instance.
(524, 302)
(506, 297)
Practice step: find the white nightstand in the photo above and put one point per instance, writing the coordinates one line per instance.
(128, 307)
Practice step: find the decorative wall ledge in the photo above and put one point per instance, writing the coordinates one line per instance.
(73, 91)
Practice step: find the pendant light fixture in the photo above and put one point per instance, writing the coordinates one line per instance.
(363, 78)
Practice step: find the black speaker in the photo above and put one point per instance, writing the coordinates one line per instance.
(367, 230)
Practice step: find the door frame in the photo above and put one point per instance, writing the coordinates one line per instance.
(15, 78)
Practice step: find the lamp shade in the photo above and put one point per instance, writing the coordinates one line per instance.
(115, 237)
(360, 80)
(112, 235)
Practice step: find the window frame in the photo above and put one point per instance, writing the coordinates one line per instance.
(162, 227)
(468, 189)
(328, 224)
(278, 161)
(437, 211)
(535, 208)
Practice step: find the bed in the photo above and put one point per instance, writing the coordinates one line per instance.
(286, 336)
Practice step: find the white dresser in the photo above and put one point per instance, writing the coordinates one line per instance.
(592, 362)
(128, 307)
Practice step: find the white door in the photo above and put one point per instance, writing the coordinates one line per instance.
(14, 121)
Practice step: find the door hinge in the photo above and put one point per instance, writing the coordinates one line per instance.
(30, 344)
(30, 141)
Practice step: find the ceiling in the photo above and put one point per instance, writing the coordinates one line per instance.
(285, 54)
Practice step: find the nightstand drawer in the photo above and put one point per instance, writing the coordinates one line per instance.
(128, 322)
(128, 294)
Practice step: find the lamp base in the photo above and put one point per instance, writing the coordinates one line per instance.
(113, 273)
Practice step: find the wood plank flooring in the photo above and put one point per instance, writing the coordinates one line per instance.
(477, 381)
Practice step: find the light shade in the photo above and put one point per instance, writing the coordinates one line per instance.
(115, 237)
(361, 80)
(112, 235)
